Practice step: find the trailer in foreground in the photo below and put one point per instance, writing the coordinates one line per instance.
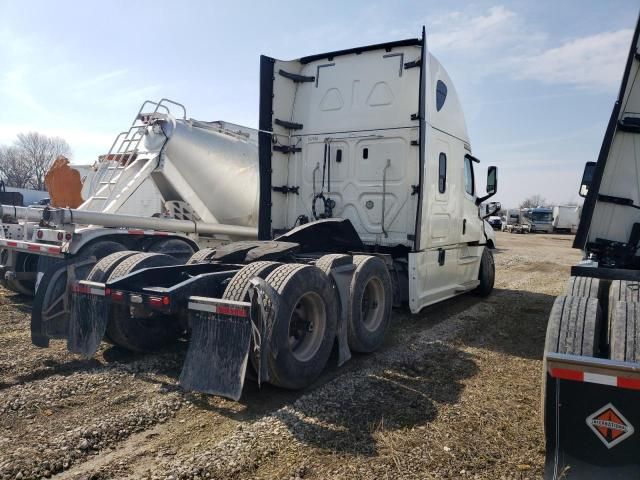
(591, 393)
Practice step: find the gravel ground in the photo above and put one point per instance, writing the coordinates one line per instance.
(454, 393)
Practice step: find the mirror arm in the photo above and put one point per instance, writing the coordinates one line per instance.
(479, 200)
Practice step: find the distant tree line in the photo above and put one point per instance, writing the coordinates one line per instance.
(25, 163)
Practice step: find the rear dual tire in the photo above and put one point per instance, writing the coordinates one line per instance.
(302, 328)
(140, 334)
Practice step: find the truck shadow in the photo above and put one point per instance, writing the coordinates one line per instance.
(516, 327)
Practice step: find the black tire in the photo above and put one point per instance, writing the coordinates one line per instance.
(327, 262)
(624, 291)
(238, 287)
(370, 302)
(201, 256)
(624, 343)
(174, 247)
(583, 287)
(295, 363)
(486, 275)
(141, 334)
(101, 249)
(103, 269)
(574, 326)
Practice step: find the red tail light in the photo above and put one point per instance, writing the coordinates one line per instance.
(60, 236)
(39, 234)
(117, 296)
(158, 302)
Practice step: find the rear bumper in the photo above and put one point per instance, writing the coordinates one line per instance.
(591, 418)
(32, 247)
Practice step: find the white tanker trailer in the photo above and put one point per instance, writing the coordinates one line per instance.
(207, 173)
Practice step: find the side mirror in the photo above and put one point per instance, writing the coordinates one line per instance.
(491, 208)
(492, 184)
(587, 178)
(492, 180)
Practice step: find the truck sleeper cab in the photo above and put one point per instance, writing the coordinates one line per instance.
(367, 198)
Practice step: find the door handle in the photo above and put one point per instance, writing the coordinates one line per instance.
(464, 226)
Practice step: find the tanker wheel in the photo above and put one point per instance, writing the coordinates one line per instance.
(102, 270)
(25, 262)
(370, 302)
(135, 333)
(50, 312)
(303, 328)
(625, 321)
(573, 328)
(174, 247)
(201, 256)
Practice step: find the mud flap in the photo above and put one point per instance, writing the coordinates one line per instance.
(218, 352)
(592, 420)
(221, 337)
(89, 317)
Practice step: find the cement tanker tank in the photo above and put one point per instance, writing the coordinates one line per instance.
(212, 167)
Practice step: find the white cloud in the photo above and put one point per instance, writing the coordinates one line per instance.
(499, 41)
(595, 61)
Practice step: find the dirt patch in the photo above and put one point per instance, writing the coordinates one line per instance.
(454, 393)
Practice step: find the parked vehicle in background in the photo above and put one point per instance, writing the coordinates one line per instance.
(495, 222)
(566, 218)
(540, 219)
(515, 222)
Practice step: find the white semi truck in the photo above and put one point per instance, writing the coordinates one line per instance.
(367, 199)
(592, 350)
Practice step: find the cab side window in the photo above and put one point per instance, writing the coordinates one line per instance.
(442, 173)
(468, 176)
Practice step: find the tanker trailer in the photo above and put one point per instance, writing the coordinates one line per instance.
(207, 173)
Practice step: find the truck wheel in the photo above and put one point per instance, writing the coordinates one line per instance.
(304, 326)
(370, 302)
(583, 287)
(201, 256)
(574, 326)
(624, 344)
(238, 287)
(141, 334)
(624, 291)
(486, 275)
(327, 262)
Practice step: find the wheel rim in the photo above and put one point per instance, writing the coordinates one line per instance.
(307, 325)
(373, 304)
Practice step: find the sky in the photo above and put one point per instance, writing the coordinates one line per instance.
(537, 80)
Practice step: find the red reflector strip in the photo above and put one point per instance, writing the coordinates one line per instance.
(566, 374)
(630, 383)
(610, 380)
(232, 311)
(87, 290)
(139, 231)
(32, 247)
